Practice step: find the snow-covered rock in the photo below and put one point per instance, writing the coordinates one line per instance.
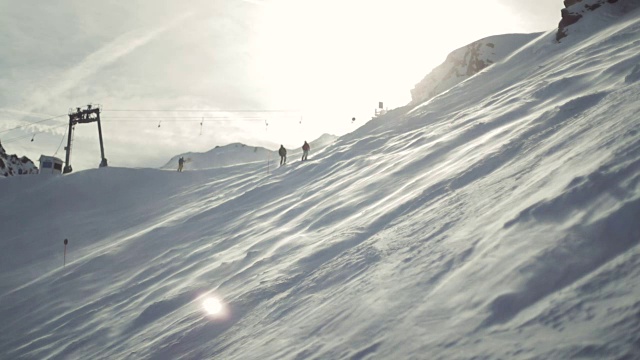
(11, 165)
(576, 9)
(467, 61)
(323, 141)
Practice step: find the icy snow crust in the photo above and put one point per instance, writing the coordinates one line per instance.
(497, 220)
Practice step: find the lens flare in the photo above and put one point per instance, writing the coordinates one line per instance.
(213, 306)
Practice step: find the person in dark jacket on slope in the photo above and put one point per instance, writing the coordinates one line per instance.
(305, 151)
(283, 155)
(180, 164)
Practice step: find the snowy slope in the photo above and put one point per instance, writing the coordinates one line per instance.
(467, 61)
(498, 220)
(237, 153)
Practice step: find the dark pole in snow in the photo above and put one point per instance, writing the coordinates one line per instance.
(67, 166)
(64, 263)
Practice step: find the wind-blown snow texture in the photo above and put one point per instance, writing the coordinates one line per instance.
(499, 220)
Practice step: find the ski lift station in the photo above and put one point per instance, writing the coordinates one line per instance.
(50, 165)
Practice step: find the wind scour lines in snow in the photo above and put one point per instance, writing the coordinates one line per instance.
(496, 220)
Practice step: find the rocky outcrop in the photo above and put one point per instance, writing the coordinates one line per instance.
(11, 165)
(575, 10)
(467, 61)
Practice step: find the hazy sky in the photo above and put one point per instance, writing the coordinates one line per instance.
(323, 61)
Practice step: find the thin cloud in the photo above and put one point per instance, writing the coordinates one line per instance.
(99, 59)
(22, 112)
(256, 2)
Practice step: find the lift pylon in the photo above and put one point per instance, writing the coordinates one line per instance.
(83, 116)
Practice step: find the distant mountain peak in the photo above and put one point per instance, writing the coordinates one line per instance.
(238, 153)
(467, 61)
(11, 165)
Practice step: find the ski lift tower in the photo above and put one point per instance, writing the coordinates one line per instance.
(380, 110)
(88, 115)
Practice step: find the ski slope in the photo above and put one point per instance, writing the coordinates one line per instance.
(498, 220)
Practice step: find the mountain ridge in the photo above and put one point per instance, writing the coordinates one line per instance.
(12, 165)
(467, 61)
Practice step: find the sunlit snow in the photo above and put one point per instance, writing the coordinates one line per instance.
(498, 220)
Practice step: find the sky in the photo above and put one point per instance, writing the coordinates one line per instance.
(315, 65)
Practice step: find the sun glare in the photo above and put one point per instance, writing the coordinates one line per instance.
(336, 59)
(213, 306)
(341, 56)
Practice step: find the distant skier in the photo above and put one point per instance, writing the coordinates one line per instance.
(283, 155)
(180, 164)
(305, 151)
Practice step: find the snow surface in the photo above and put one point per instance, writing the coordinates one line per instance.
(499, 220)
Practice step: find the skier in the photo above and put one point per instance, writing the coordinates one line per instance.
(283, 155)
(180, 164)
(305, 151)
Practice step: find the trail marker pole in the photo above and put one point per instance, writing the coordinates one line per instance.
(64, 263)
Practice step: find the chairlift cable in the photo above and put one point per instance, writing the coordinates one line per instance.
(61, 141)
(35, 122)
(205, 110)
(30, 135)
(198, 119)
